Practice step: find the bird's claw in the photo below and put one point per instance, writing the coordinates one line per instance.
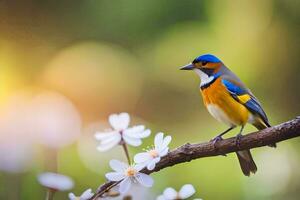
(238, 140)
(215, 140)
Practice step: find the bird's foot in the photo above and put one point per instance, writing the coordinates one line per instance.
(215, 140)
(238, 140)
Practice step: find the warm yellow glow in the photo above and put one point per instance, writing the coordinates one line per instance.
(8, 82)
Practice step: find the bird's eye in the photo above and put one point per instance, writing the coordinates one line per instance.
(204, 63)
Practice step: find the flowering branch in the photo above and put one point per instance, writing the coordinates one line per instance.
(188, 152)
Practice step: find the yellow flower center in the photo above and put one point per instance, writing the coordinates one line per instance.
(130, 171)
(153, 153)
(177, 197)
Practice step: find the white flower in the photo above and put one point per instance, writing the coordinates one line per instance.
(170, 194)
(153, 155)
(121, 132)
(160, 197)
(84, 196)
(55, 181)
(127, 175)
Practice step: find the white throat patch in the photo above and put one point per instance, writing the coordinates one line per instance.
(205, 79)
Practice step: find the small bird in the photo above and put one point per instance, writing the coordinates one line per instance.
(229, 101)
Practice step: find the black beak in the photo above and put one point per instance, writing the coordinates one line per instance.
(187, 67)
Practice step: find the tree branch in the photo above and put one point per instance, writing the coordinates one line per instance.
(188, 152)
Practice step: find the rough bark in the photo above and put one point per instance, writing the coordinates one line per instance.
(188, 152)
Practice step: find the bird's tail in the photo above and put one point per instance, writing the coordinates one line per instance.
(259, 124)
(246, 162)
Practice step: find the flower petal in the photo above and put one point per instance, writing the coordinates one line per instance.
(144, 179)
(152, 163)
(170, 193)
(55, 181)
(145, 133)
(72, 196)
(161, 197)
(114, 176)
(109, 143)
(104, 135)
(139, 167)
(118, 166)
(119, 121)
(165, 143)
(142, 157)
(132, 141)
(137, 132)
(135, 129)
(125, 185)
(158, 140)
(110, 139)
(164, 152)
(186, 191)
(86, 194)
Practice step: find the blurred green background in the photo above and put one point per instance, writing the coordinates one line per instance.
(86, 59)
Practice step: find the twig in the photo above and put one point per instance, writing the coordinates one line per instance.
(103, 191)
(50, 194)
(188, 152)
(124, 145)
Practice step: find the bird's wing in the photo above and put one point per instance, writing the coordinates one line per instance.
(244, 96)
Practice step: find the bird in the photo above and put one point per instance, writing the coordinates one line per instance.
(229, 101)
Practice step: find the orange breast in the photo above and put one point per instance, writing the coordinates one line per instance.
(216, 95)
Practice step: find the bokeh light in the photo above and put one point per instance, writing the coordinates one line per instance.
(55, 122)
(65, 66)
(96, 76)
(17, 153)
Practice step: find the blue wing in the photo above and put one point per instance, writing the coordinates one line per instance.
(245, 97)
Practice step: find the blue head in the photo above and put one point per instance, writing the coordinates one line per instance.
(207, 63)
(207, 58)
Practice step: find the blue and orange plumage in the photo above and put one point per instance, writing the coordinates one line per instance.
(229, 101)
